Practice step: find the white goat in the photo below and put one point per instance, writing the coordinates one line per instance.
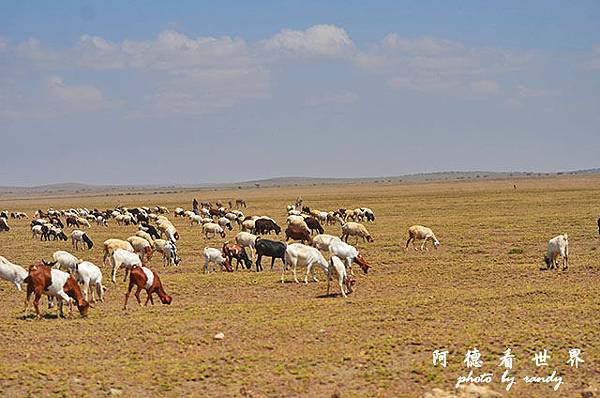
(418, 232)
(557, 246)
(89, 275)
(212, 255)
(12, 272)
(124, 258)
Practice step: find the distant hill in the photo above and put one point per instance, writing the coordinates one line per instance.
(73, 187)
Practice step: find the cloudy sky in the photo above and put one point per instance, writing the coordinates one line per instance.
(154, 92)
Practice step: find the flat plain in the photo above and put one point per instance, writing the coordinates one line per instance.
(483, 288)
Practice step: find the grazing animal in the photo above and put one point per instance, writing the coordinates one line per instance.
(345, 281)
(90, 276)
(166, 227)
(212, 255)
(269, 248)
(368, 214)
(265, 226)
(322, 241)
(297, 233)
(298, 254)
(213, 229)
(233, 250)
(145, 235)
(355, 229)
(349, 254)
(246, 239)
(150, 229)
(53, 283)
(126, 259)
(110, 245)
(224, 222)
(144, 278)
(418, 232)
(168, 250)
(599, 225)
(65, 260)
(239, 203)
(248, 225)
(73, 221)
(314, 225)
(142, 247)
(78, 236)
(557, 246)
(12, 272)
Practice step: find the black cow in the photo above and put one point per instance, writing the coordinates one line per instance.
(314, 225)
(269, 248)
(265, 226)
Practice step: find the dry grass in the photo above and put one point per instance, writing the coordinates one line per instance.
(482, 288)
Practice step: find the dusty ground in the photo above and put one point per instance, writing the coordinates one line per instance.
(482, 288)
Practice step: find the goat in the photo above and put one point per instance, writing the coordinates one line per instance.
(145, 278)
(557, 246)
(215, 256)
(233, 250)
(78, 236)
(418, 232)
(12, 272)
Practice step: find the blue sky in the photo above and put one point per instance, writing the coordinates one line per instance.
(190, 92)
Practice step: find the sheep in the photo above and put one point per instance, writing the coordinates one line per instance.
(110, 245)
(145, 278)
(65, 260)
(246, 239)
(124, 258)
(101, 221)
(355, 229)
(195, 219)
(37, 230)
(89, 275)
(167, 228)
(418, 232)
(168, 250)
(215, 256)
(78, 236)
(84, 222)
(53, 283)
(214, 229)
(298, 254)
(150, 229)
(248, 225)
(368, 214)
(348, 253)
(145, 235)
(322, 241)
(557, 246)
(224, 222)
(12, 272)
(178, 212)
(141, 247)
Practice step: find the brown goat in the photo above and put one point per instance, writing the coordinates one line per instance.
(297, 232)
(138, 277)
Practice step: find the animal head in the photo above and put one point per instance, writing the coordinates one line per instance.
(547, 261)
(166, 299)
(436, 242)
(88, 241)
(370, 238)
(222, 233)
(360, 260)
(277, 229)
(148, 251)
(84, 307)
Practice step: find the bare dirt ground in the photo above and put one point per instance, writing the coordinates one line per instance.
(483, 288)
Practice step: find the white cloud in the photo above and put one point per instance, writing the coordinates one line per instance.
(73, 93)
(344, 97)
(430, 64)
(530, 92)
(592, 60)
(316, 41)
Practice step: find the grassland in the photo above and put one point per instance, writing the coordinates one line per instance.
(483, 288)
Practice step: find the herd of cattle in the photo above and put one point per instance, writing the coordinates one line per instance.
(81, 284)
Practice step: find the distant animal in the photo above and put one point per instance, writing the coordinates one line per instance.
(4, 224)
(557, 246)
(599, 225)
(78, 236)
(239, 203)
(212, 229)
(419, 232)
(269, 248)
(144, 278)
